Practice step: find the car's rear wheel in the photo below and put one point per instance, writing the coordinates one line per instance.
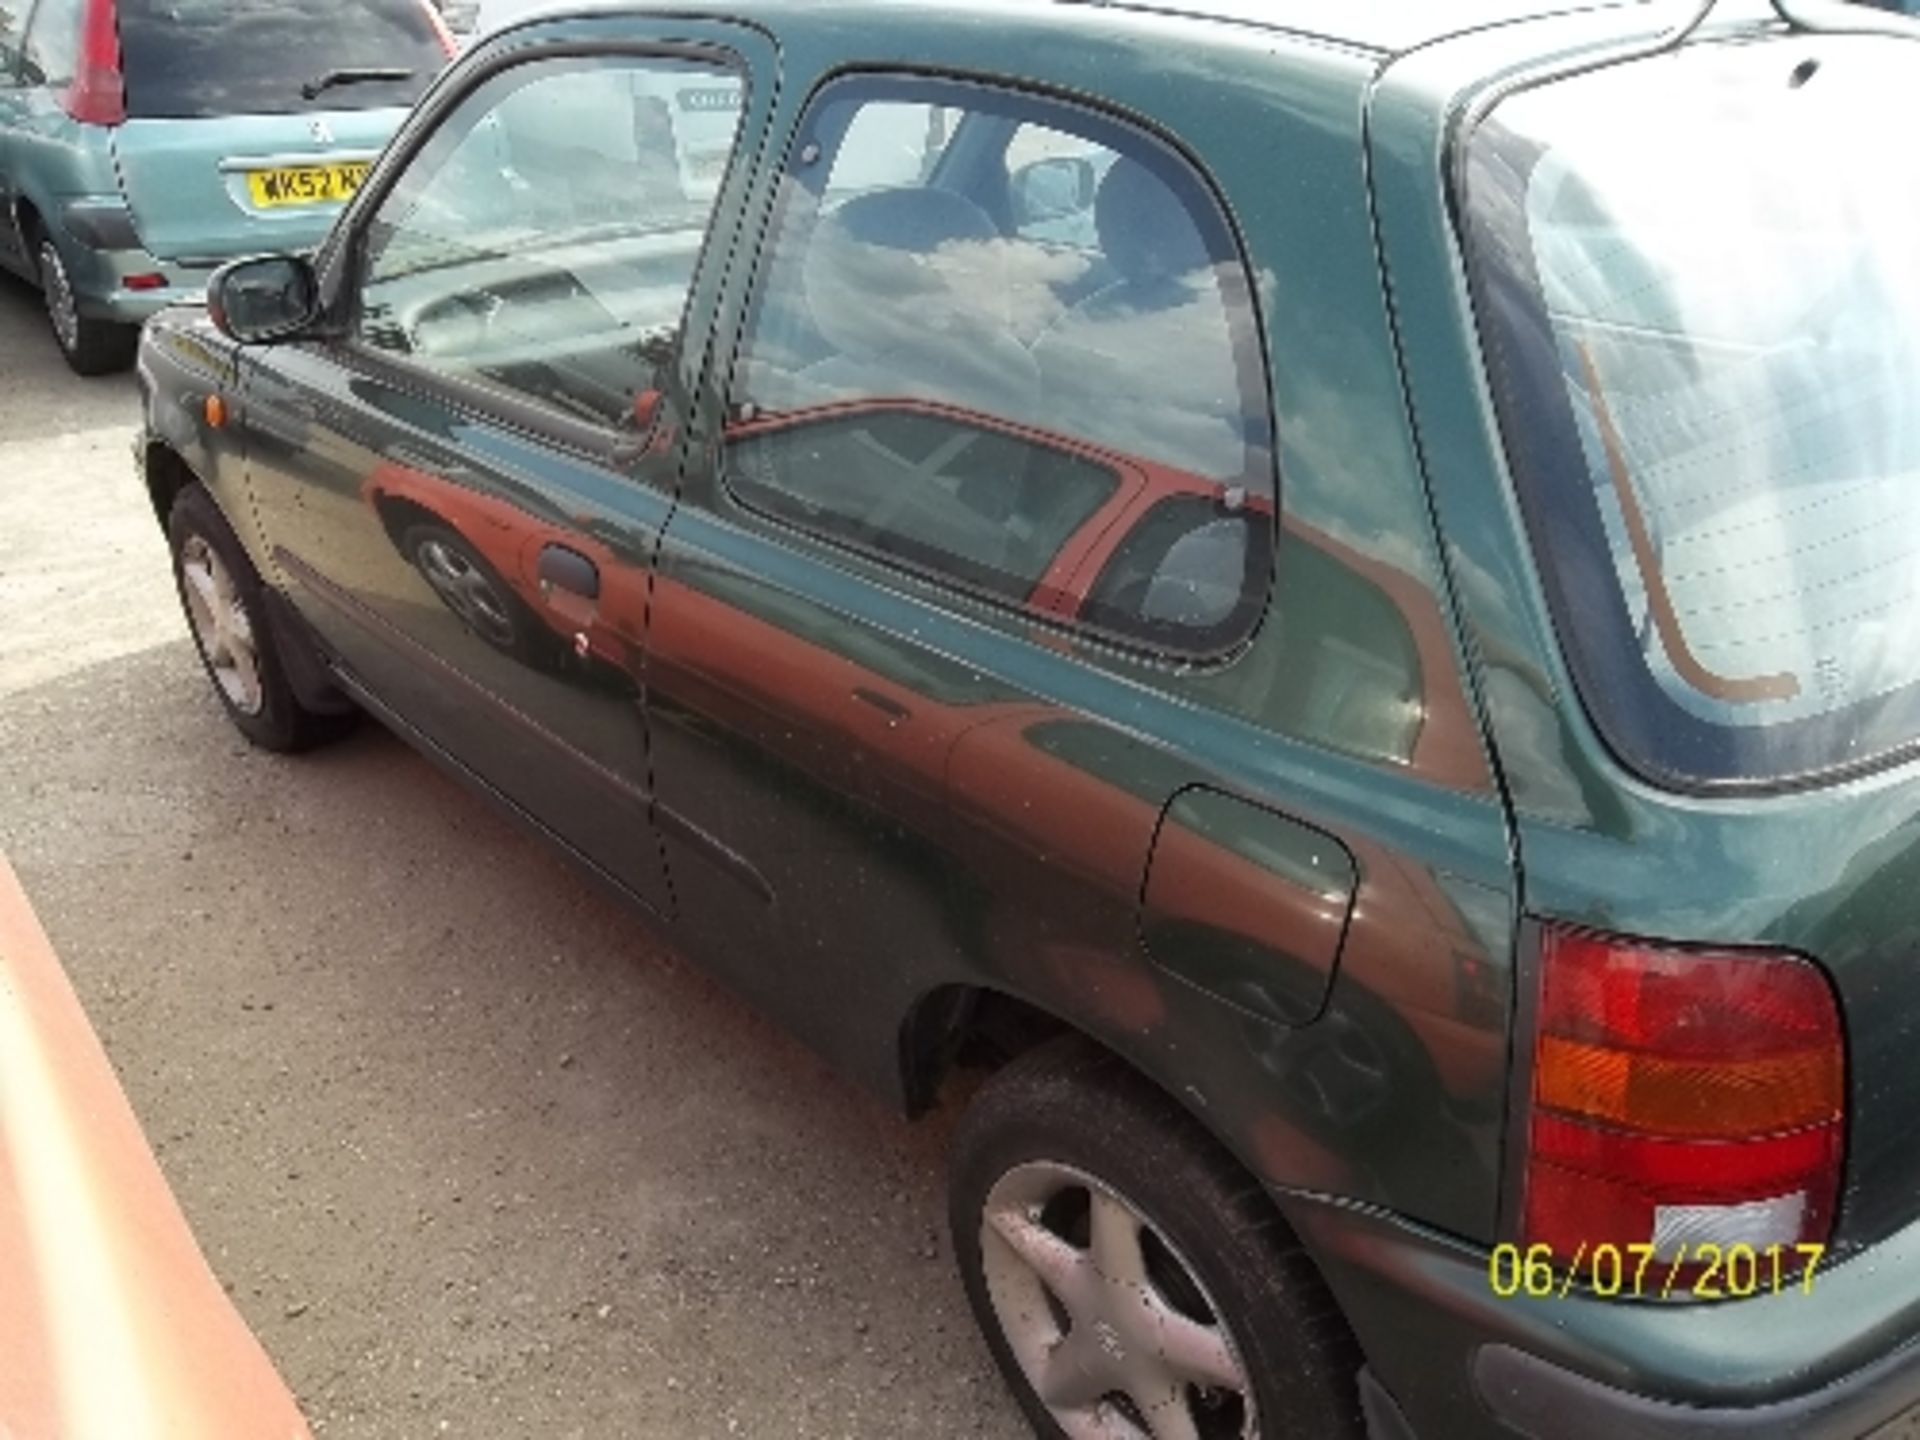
(1133, 1282)
(224, 601)
(90, 347)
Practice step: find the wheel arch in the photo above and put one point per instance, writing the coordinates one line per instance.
(28, 223)
(969, 1026)
(166, 473)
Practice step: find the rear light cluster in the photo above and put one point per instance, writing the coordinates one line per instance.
(98, 95)
(1682, 1097)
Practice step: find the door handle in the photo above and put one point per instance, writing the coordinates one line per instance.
(566, 569)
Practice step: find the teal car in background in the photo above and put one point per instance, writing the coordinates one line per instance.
(145, 142)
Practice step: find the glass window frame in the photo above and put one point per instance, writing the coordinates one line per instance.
(500, 404)
(1252, 361)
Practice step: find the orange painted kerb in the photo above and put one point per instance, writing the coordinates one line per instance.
(112, 1326)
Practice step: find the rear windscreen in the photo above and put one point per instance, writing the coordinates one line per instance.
(190, 59)
(1700, 281)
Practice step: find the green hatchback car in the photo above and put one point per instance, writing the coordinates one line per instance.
(145, 142)
(1311, 605)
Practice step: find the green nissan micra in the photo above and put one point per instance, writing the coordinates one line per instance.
(1312, 606)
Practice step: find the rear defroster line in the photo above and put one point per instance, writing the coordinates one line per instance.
(1666, 620)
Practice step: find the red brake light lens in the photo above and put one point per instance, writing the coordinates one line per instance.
(98, 95)
(1681, 1097)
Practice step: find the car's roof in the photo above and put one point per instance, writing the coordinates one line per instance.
(1386, 25)
(1389, 26)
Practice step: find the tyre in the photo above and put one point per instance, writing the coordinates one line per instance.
(223, 598)
(90, 347)
(477, 594)
(1132, 1281)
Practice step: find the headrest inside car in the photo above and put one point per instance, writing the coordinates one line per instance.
(1144, 227)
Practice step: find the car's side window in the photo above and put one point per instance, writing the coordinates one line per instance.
(544, 241)
(51, 50)
(1002, 356)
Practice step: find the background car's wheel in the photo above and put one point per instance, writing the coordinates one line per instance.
(478, 594)
(1133, 1281)
(91, 347)
(222, 596)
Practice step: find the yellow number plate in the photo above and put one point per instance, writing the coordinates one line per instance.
(305, 184)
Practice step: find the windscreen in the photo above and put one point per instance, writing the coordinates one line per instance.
(1700, 278)
(191, 59)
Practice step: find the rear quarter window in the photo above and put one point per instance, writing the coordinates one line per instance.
(194, 59)
(941, 375)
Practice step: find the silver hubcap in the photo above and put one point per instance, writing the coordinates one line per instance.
(467, 592)
(1106, 1319)
(58, 290)
(221, 626)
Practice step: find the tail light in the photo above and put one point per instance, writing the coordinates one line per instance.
(1682, 1097)
(98, 94)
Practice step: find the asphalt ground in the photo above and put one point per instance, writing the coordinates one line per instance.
(473, 1153)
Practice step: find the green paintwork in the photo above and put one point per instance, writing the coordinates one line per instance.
(1247, 905)
(857, 796)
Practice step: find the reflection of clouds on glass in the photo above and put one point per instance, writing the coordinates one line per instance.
(917, 292)
(1150, 369)
(909, 290)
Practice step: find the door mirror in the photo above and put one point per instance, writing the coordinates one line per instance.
(1053, 189)
(273, 297)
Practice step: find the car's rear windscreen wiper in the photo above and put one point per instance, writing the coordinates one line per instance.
(357, 76)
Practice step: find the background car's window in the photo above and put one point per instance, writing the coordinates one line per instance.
(52, 47)
(995, 372)
(544, 240)
(11, 16)
(187, 59)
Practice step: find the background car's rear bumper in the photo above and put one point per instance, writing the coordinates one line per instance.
(104, 253)
(1839, 1360)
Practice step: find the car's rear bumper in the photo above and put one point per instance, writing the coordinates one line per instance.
(114, 276)
(1452, 1359)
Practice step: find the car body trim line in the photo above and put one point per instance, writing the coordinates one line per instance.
(466, 774)
(669, 821)
(296, 160)
(370, 619)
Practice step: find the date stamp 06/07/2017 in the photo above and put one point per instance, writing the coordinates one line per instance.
(1703, 1271)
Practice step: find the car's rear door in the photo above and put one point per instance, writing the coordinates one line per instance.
(464, 490)
(248, 126)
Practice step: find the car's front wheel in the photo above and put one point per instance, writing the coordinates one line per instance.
(224, 601)
(1132, 1281)
(90, 347)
